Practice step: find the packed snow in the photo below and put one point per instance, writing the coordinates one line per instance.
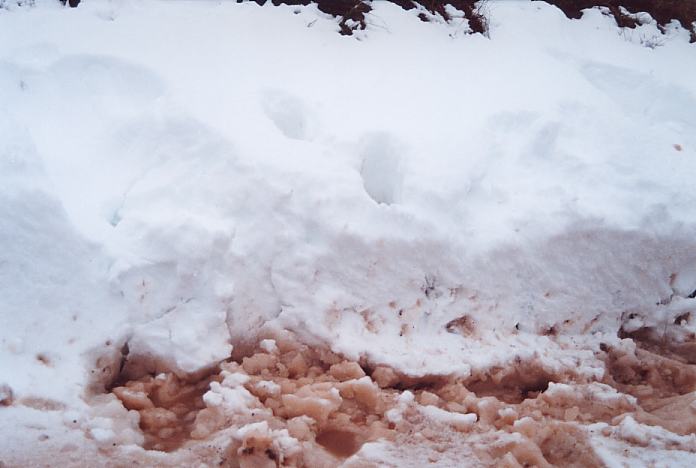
(180, 181)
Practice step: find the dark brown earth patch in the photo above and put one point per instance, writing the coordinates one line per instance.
(351, 13)
(470, 8)
(662, 11)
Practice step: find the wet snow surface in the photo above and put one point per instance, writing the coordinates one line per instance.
(484, 234)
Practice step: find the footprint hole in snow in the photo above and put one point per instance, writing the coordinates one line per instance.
(381, 169)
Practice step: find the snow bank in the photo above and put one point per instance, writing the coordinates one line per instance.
(176, 175)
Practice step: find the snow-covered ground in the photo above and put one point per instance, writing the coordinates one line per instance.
(181, 176)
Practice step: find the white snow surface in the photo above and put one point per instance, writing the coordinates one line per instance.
(178, 174)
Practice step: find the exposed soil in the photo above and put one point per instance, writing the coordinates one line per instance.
(662, 11)
(351, 13)
(289, 404)
(471, 9)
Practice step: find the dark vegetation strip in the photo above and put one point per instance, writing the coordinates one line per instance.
(351, 13)
(354, 11)
(662, 11)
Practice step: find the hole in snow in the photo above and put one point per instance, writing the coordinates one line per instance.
(380, 169)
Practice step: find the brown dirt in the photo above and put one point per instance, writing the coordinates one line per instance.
(355, 10)
(477, 21)
(332, 406)
(663, 11)
(345, 10)
(351, 13)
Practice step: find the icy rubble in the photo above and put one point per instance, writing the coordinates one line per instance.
(302, 406)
